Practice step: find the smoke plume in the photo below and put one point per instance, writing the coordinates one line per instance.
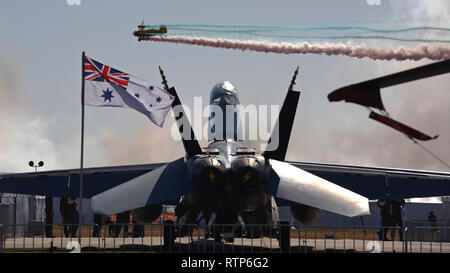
(401, 53)
(141, 146)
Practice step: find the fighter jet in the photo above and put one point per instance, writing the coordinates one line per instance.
(143, 31)
(230, 187)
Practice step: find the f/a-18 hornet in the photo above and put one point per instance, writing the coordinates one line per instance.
(227, 183)
(231, 187)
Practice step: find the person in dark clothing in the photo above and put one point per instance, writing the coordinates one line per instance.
(396, 207)
(69, 215)
(138, 229)
(98, 221)
(48, 216)
(74, 217)
(64, 210)
(432, 218)
(110, 224)
(123, 219)
(386, 218)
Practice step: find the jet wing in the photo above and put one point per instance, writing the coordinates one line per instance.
(296, 186)
(63, 183)
(371, 182)
(375, 183)
(166, 183)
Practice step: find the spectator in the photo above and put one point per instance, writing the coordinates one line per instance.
(69, 215)
(73, 216)
(396, 206)
(386, 218)
(108, 222)
(138, 229)
(64, 210)
(432, 218)
(98, 221)
(123, 219)
(48, 216)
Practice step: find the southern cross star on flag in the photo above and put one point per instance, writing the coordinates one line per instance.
(106, 86)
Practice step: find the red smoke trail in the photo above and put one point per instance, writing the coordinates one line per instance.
(432, 52)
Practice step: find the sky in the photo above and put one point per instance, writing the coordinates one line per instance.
(40, 81)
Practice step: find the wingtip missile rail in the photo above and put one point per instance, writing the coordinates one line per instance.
(164, 81)
(291, 87)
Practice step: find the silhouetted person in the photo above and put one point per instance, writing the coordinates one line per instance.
(432, 218)
(64, 210)
(48, 216)
(397, 221)
(74, 217)
(69, 214)
(386, 218)
(138, 229)
(108, 222)
(98, 221)
(123, 219)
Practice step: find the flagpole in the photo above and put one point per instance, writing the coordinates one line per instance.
(82, 149)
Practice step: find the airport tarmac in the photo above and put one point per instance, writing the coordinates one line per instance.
(239, 245)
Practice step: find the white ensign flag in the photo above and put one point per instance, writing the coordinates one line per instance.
(106, 86)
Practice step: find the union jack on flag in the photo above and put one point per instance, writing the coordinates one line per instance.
(106, 86)
(95, 71)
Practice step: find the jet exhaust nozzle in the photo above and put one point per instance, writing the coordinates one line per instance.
(305, 215)
(208, 174)
(247, 172)
(147, 214)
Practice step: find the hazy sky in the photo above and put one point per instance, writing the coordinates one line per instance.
(40, 78)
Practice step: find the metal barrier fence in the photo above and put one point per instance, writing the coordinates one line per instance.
(194, 239)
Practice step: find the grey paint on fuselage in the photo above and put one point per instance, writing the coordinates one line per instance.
(226, 150)
(227, 178)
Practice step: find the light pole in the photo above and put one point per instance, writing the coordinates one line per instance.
(40, 164)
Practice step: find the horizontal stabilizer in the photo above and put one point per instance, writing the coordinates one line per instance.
(410, 132)
(298, 186)
(163, 184)
(367, 93)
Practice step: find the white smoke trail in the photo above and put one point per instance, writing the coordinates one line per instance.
(401, 53)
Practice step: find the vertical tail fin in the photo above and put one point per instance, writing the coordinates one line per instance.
(282, 130)
(191, 145)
